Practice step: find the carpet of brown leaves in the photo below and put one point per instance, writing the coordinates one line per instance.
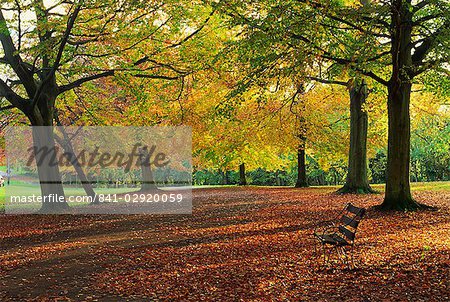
(240, 244)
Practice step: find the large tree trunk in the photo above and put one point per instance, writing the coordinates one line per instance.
(357, 181)
(301, 168)
(301, 128)
(242, 178)
(41, 118)
(40, 113)
(49, 176)
(148, 182)
(398, 192)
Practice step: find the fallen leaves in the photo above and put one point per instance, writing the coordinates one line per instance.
(250, 244)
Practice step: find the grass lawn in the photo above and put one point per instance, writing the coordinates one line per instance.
(24, 188)
(249, 244)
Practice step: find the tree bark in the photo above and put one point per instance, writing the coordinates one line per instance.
(226, 178)
(301, 168)
(53, 198)
(68, 149)
(322, 181)
(148, 182)
(277, 178)
(398, 193)
(356, 181)
(242, 178)
(40, 113)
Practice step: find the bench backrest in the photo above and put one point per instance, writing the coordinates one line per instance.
(350, 220)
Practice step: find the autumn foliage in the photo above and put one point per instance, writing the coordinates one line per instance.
(264, 85)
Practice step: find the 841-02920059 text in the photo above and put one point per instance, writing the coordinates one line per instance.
(140, 197)
(128, 197)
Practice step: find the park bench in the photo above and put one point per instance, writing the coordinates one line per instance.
(339, 234)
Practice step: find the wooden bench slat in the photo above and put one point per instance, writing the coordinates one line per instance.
(347, 233)
(355, 210)
(349, 221)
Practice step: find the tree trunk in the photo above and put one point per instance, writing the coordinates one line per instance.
(242, 179)
(68, 149)
(40, 113)
(398, 192)
(226, 178)
(53, 198)
(87, 186)
(8, 172)
(148, 182)
(223, 180)
(357, 181)
(301, 168)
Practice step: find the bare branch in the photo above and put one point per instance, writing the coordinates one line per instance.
(159, 64)
(125, 48)
(372, 75)
(12, 97)
(420, 5)
(427, 18)
(155, 76)
(423, 49)
(13, 58)
(19, 24)
(56, 64)
(7, 107)
(194, 32)
(65, 37)
(81, 81)
(326, 81)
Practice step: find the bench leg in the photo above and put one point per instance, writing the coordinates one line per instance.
(341, 254)
(348, 259)
(315, 246)
(326, 258)
(324, 254)
(352, 262)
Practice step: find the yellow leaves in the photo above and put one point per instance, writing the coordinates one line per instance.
(425, 104)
